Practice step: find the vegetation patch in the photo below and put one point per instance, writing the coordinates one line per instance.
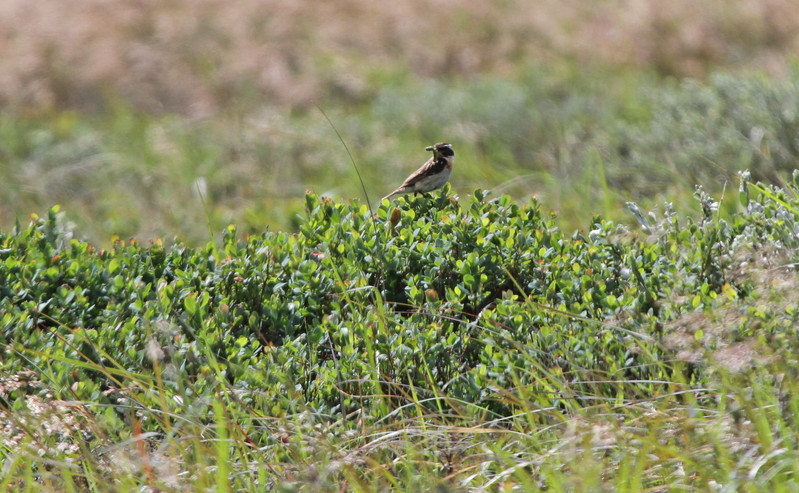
(477, 342)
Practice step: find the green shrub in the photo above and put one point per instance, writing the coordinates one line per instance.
(422, 298)
(428, 321)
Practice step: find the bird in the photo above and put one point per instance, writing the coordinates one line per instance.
(432, 175)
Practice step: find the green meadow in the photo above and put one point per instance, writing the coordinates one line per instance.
(200, 290)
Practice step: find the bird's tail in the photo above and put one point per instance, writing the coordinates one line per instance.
(395, 192)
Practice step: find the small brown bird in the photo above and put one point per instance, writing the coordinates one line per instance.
(432, 175)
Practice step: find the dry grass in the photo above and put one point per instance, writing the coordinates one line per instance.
(199, 57)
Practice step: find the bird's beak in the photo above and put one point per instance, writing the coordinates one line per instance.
(429, 148)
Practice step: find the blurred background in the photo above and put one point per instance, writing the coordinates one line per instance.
(174, 118)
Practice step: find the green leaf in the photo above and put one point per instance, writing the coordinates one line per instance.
(190, 303)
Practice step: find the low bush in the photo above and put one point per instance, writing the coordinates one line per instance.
(353, 308)
(485, 315)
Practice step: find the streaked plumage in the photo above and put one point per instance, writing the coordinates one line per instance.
(432, 175)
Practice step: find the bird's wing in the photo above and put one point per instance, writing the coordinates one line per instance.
(432, 166)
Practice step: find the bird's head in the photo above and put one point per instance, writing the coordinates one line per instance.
(441, 149)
